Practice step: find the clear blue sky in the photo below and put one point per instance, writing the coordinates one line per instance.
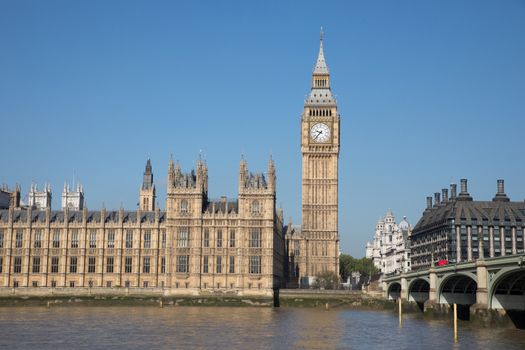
(429, 92)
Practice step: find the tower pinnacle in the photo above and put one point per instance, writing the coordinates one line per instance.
(320, 66)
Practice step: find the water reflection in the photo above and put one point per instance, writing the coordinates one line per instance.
(235, 328)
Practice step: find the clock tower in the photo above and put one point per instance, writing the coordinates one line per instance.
(320, 155)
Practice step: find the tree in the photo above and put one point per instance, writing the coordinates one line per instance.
(326, 280)
(349, 264)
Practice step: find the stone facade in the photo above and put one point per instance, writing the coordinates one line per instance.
(390, 249)
(197, 245)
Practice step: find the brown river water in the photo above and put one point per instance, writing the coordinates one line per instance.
(237, 328)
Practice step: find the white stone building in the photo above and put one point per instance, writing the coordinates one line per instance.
(390, 249)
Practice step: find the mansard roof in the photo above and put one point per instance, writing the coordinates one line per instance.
(76, 216)
(221, 206)
(472, 213)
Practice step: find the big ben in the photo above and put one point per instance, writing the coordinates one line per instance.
(320, 155)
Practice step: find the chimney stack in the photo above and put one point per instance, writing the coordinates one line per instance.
(463, 186)
(501, 187)
(437, 200)
(464, 195)
(444, 195)
(500, 195)
(429, 203)
(453, 191)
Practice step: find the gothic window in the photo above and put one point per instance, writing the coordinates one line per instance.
(182, 263)
(255, 238)
(256, 207)
(205, 260)
(182, 237)
(206, 239)
(163, 265)
(219, 238)
(56, 238)
(91, 264)
(1, 263)
(128, 265)
(232, 238)
(19, 236)
(36, 264)
(73, 264)
(129, 239)
(163, 238)
(219, 264)
(1, 238)
(74, 239)
(38, 239)
(146, 264)
(17, 264)
(184, 206)
(147, 239)
(109, 264)
(255, 264)
(93, 239)
(232, 264)
(54, 264)
(111, 239)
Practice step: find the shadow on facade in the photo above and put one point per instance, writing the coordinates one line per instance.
(419, 293)
(509, 294)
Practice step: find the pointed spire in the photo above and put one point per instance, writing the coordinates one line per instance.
(320, 66)
(147, 181)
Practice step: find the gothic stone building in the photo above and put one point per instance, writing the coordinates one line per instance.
(196, 245)
(457, 228)
(313, 249)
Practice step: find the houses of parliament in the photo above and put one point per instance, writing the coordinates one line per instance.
(196, 245)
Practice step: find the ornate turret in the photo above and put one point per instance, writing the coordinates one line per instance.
(40, 200)
(73, 199)
(147, 190)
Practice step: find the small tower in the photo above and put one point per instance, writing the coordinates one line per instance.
(147, 191)
(73, 199)
(40, 200)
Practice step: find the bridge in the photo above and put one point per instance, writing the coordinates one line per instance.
(493, 283)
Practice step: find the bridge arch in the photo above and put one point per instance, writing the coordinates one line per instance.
(458, 288)
(507, 289)
(418, 290)
(394, 291)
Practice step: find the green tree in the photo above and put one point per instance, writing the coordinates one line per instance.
(349, 264)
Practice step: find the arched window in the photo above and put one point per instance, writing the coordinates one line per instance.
(184, 206)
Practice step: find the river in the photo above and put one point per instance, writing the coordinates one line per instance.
(236, 328)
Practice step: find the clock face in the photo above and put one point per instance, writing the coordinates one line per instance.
(320, 132)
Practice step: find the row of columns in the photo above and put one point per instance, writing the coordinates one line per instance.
(479, 232)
